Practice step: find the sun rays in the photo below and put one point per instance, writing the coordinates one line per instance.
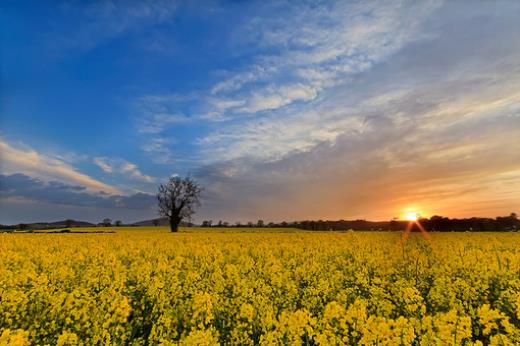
(413, 219)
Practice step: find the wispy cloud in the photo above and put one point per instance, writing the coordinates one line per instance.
(159, 150)
(158, 122)
(316, 48)
(157, 113)
(277, 104)
(23, 159)
(122, 167)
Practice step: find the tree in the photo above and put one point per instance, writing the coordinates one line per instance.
(178, 199)
(260, 223)
(106, 222)
(155, 222)
(119, 223)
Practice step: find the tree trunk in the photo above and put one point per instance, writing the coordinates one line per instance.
(174, 224)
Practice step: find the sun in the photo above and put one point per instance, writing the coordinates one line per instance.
(410, 216)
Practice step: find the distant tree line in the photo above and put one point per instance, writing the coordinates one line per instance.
(435, 223)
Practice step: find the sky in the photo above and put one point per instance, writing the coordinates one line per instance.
(281, 110)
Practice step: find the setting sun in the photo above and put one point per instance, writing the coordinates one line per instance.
(410, 216)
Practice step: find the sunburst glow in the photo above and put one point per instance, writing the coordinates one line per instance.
(410, 216)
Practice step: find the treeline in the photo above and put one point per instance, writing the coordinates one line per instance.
(435, 223)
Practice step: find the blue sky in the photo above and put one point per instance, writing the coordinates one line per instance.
(282, 110)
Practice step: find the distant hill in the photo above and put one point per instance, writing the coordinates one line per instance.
(56, 224)
(162, 222)
(73, 223)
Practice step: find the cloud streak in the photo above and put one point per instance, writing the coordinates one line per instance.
(305, 54)
(122, 167)
(31, 189)
(24, 159)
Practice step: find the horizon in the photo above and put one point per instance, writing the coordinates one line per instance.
(280, 110)
(254, 222)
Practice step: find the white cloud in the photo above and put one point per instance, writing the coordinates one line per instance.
(319, 48)
(122, 167)
(22, 159)
(273, 98)
(101, 163)
(278, 104)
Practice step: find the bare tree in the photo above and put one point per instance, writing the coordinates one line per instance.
(178, 199)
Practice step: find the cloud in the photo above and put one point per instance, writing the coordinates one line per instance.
(157, 113)
(23, 159)
(123, 167)
(319, 47)
(279, 103)
(433, 125)
(158, 122)
(437, 81)
(159, 150)
(101, 163)
(273, 98)
(375, 176)
(31, 189)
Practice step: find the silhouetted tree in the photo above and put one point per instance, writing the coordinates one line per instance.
(178, 199)
(106, 222)
(260, 223)
(119, 223)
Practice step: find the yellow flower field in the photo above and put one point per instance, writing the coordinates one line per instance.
(146, 286)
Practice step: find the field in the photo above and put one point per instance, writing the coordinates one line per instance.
(206, 287)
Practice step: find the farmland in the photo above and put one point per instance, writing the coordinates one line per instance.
(243, 287)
